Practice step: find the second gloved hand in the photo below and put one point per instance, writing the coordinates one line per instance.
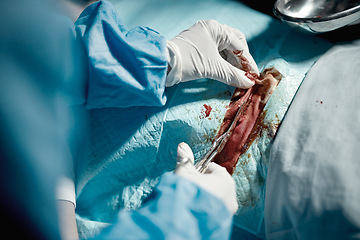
(215, 180)
(209, 49)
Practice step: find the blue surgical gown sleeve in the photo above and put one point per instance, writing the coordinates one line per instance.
(177, 209)
(126, 67)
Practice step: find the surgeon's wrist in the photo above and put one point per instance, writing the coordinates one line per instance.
(174, 64)
(65, 190)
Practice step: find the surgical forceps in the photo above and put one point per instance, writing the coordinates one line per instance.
(217, 146)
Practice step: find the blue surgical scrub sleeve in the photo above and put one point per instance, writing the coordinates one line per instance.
(177, 209)
(126, 67)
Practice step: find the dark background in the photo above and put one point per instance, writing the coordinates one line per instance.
(347, 33)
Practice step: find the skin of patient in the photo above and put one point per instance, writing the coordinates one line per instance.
(253, 101)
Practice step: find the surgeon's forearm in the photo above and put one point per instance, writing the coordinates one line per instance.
(177, 209)
(67, 220)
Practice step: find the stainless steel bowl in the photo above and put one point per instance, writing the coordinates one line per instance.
(318, 16)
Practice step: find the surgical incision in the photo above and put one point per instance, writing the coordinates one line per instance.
(248, 120)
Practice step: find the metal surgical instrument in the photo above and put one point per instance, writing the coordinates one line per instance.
(218, 145)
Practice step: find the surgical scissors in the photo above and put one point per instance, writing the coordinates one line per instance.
(218, 145)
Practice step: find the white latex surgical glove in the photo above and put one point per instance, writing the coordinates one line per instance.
(216, 180)
(209, 49)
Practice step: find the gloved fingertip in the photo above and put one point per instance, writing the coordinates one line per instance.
(234, 207)
(233, 76)
(254, 69)
(242, 81)
(184, 151)
(173, 76)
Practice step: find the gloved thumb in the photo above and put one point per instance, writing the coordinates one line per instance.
(216, 179)
(185, 158)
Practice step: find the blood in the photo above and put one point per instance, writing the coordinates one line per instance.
(248, 122)
(207, 110)
(244, 62)
(251, 76)
(206, 113)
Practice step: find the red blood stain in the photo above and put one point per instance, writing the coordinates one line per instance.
(251, 76)
(206, 112)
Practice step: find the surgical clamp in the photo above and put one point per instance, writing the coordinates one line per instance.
(217, 146)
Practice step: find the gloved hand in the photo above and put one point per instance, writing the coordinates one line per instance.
(209, 49)
(216, 180)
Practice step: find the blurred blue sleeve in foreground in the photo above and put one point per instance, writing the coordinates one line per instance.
(42, 71)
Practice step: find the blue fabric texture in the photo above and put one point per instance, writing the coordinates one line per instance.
(312, 190)
(126, 68)
(177, 209)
